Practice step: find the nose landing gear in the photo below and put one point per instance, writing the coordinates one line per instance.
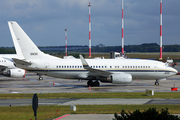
(156, 83)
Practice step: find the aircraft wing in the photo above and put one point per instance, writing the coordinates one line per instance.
(92, 71)
(18, 61)
(2, 67)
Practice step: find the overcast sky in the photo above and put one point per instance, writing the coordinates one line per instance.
(45, 20)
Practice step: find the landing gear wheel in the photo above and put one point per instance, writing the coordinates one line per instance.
(157, 83)
(40, 78)
(96, 83)
(90, 83)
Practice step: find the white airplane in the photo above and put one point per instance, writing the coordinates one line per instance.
(7, 67)
(115, 71)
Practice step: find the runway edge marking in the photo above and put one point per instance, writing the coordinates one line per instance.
(62, 117)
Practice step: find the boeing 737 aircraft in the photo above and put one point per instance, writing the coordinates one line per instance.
(115, 71)
(7, 67)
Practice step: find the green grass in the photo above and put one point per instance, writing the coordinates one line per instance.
(167, 95)
(50, 112)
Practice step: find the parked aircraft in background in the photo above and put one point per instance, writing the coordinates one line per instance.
(115, 71)
(7, 67)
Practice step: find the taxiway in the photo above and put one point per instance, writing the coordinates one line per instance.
(31, 84)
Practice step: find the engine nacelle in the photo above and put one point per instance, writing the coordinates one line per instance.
(118, 78)
(16, 73)
(121, 78)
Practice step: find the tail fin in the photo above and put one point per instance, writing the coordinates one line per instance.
(24, 46)
(18, 49)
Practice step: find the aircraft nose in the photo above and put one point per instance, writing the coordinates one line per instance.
(174, 70)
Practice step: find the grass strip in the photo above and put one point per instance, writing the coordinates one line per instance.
(164, 95)
(50, 112)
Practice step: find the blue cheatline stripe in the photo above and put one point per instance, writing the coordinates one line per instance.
(106, 70)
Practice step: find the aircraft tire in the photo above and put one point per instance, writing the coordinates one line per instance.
(96, 83)
(90, 83)
(156, 83)
(40, 78)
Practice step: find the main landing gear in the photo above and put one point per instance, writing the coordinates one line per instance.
(156, 83)
(40, 77)
(91, 83)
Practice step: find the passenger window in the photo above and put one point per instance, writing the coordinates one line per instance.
(72, 66)
(56, 66)
(64, 66)
(110, 66)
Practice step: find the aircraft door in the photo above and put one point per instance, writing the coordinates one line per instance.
(155, 68)
(46, 66)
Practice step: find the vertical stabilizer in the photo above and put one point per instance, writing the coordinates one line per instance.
(25, 48)
(16, 44)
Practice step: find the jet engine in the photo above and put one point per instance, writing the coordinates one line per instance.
(118, 78)
(16, 73)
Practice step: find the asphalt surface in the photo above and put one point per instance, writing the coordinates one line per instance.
(31, 84)
(88, 101)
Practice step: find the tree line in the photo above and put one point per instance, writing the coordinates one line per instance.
(145, 47)
(7, 50)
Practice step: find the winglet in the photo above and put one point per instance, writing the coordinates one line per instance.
(85, 64)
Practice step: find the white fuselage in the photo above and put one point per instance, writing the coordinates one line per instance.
(72, 68)
(106, 70)
(6, 60)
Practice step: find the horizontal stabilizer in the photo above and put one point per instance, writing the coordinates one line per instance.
(22, 62)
